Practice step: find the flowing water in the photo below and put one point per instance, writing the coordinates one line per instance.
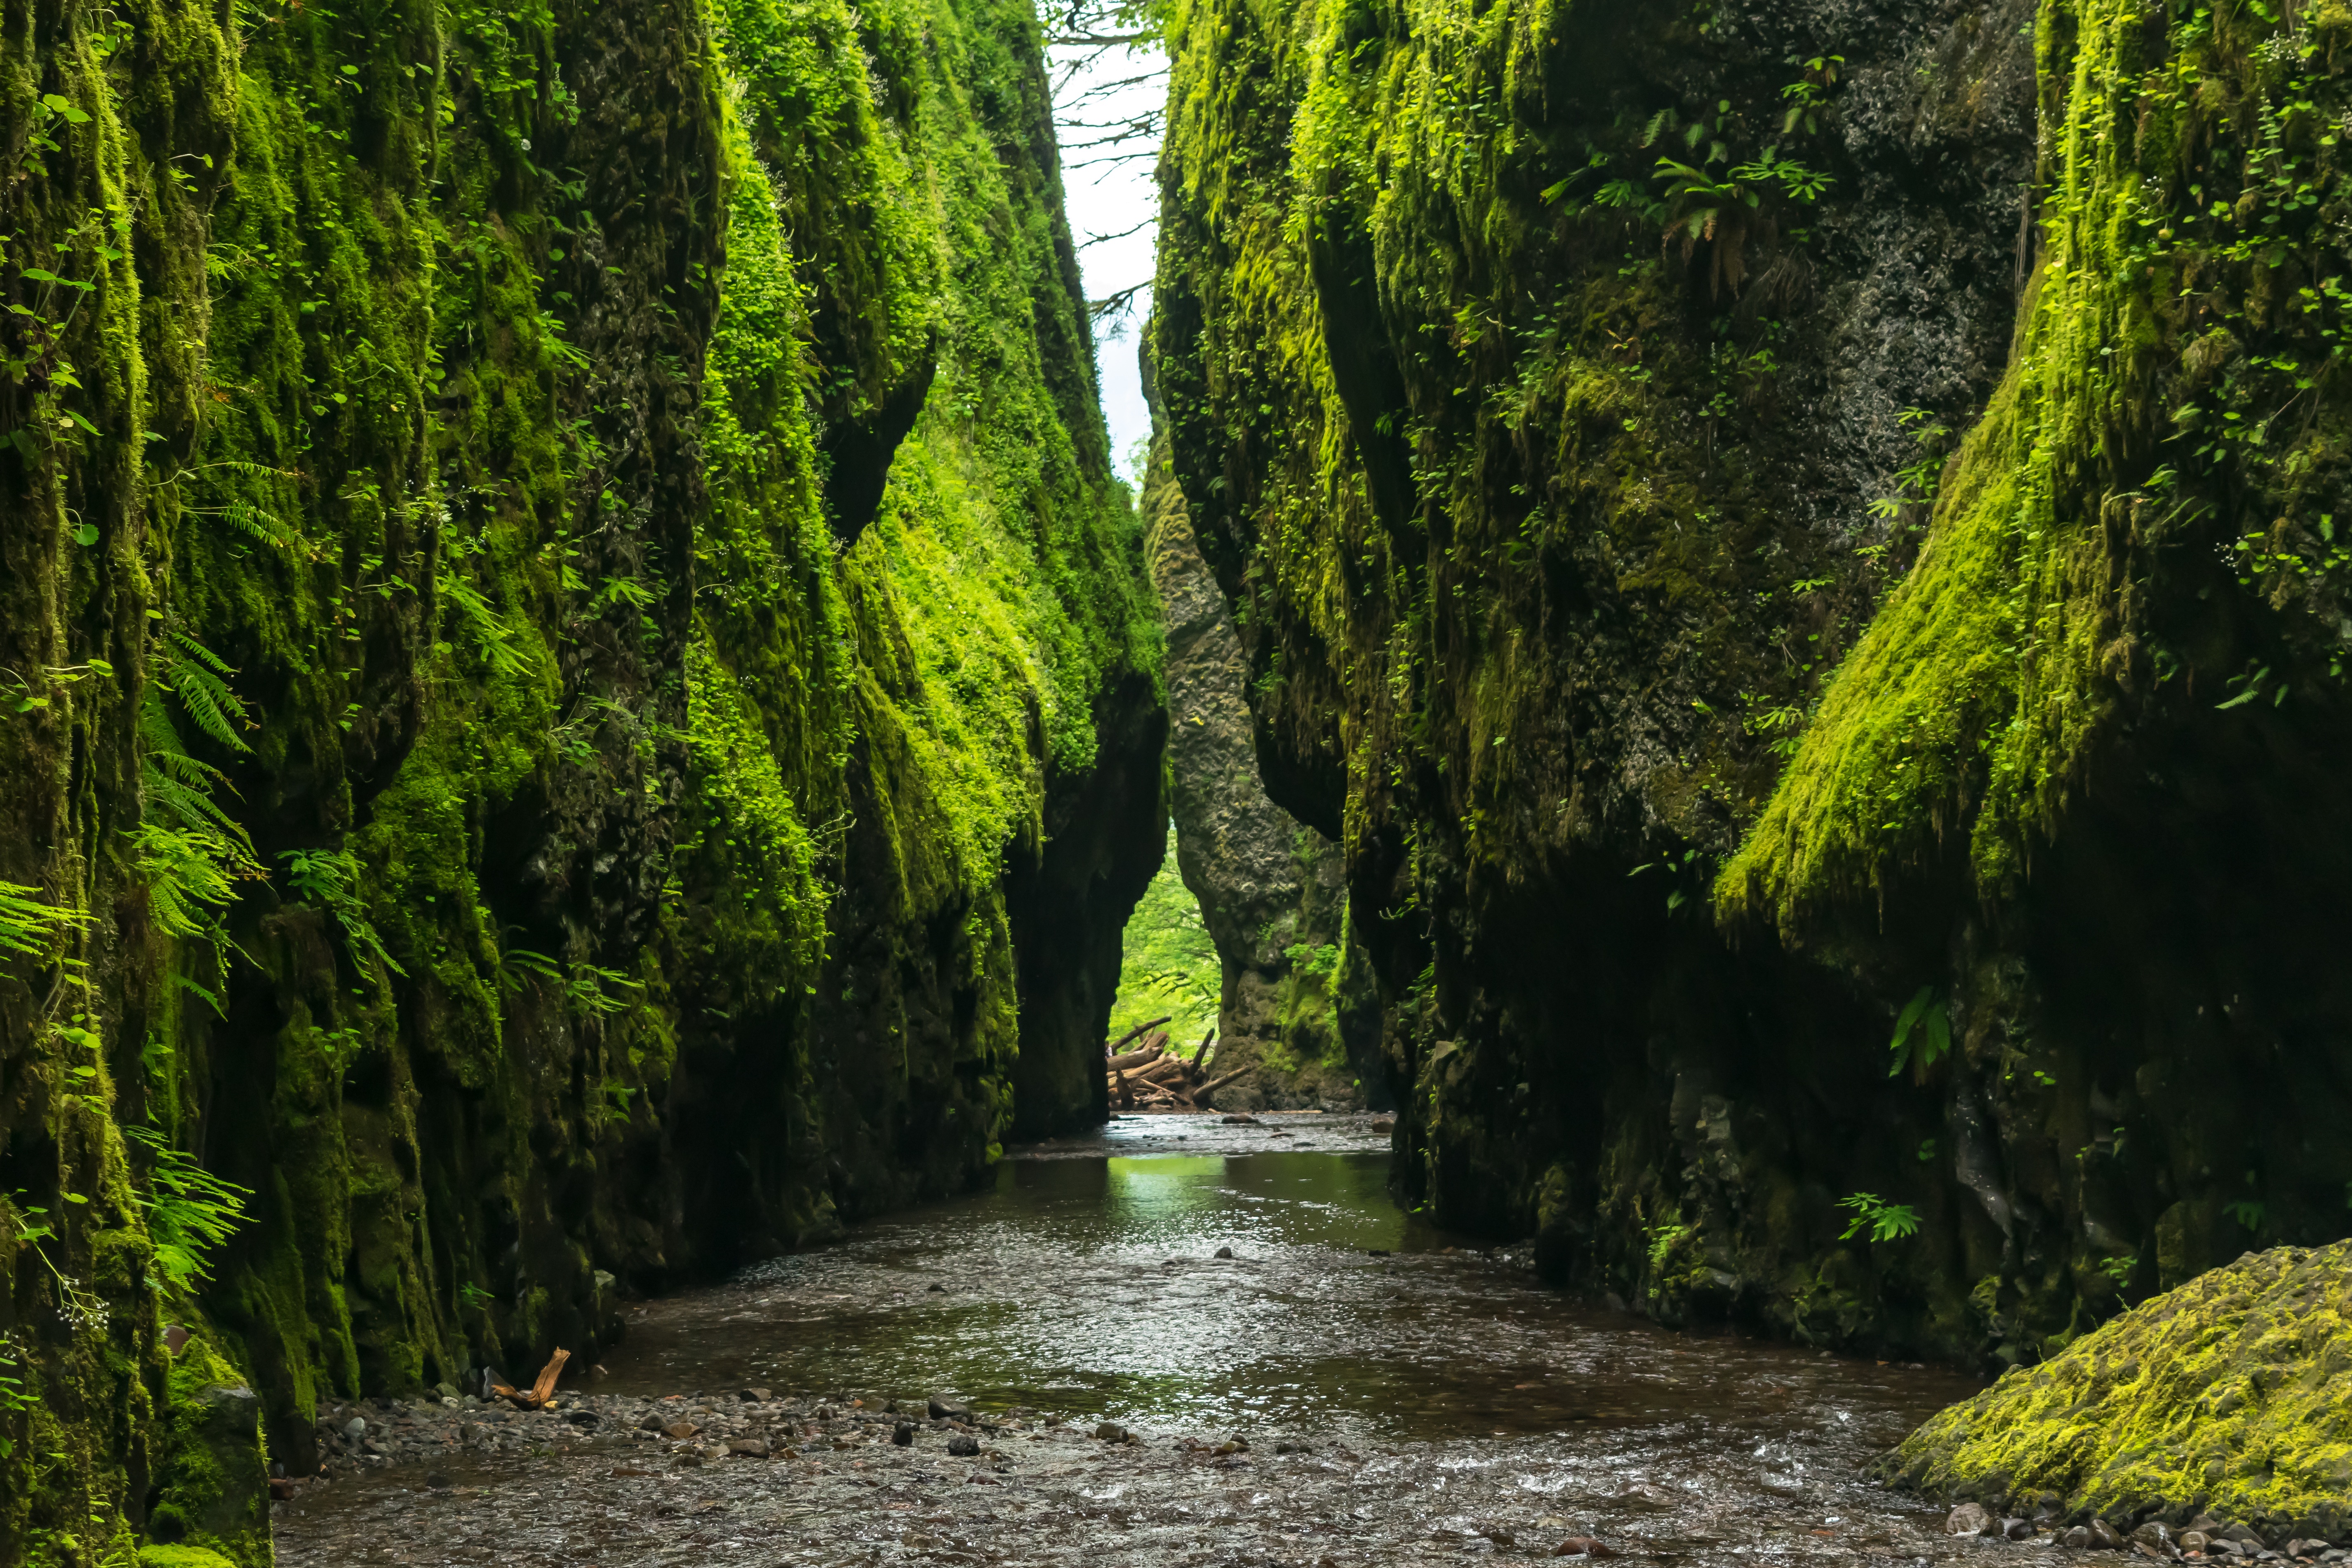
(1401, 1394)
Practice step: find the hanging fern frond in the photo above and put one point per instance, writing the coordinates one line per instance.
(489, 628)
(185, 876)
(190, 1211)
(264, 526)
(189, 851)
(331, 878)
(199, 679)
(28, 925)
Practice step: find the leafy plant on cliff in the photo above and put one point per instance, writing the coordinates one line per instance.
(1881, 1220)
(30, 926)
(189, 1210)
(190, 853)
(330, 879)
(81, 1306)
(1926, 1015)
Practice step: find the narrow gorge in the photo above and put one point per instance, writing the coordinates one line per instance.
(1733, 614)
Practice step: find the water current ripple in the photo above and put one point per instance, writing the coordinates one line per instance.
(1402, 1395)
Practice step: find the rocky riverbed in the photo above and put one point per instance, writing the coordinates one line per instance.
(1347, 1387)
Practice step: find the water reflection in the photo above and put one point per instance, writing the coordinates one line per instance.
(1090, 1286)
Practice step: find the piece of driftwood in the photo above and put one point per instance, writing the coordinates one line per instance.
(1219, 1082)
(1112, 1049)
(540, 1391)
(1127, 1061)
(1206, 1041)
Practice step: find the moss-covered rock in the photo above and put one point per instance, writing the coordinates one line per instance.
(2231, 1396)
(1793, 551)
(212, 1490)
(581, 694)
(155, 1555)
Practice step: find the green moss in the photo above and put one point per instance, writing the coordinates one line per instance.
(2227, 1396)
(2034, 621)
(212, 1484)
(155, 1555)
(449, 452)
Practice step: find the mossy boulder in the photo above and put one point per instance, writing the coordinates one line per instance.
(2231, 1396)
(212, 1502)
(181, 1557)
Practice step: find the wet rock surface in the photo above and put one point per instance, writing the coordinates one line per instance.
(834, 1487)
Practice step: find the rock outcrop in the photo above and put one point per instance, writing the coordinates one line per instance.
(1296, 994)
(1797, 552)
(581, 697)
(2228, 1399)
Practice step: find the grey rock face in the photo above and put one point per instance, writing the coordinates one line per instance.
(1269, 886)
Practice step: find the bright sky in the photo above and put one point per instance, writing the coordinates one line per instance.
(1107, 198)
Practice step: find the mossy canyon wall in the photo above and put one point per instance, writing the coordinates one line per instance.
(581, 697)
(1797, 550)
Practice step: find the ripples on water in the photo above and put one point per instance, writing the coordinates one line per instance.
(1439, 1390)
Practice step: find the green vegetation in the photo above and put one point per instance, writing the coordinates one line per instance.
(1168, 965)
(1877, 1219)
(1976, 699)
(1740, 712)
(509, 605)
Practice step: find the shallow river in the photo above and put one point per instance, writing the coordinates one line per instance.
(1400, 1395)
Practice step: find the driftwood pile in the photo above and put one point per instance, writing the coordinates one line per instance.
(1153, 1075)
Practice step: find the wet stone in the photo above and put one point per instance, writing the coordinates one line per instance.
(1969, 1519)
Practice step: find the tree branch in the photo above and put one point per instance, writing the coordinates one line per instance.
(1122, 234)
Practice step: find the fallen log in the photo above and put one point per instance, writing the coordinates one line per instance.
(1132, 1059)
(1206, 1041)
(1112, 1049)
(1121, 1090)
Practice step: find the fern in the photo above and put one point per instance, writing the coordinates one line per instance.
(267, 527)
(199, 678)
(489, 628)
(330, 879)
(517, 964)
(190, 851)
(185, 879)
(586, 989)
(28, 925)
(190, 1212)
